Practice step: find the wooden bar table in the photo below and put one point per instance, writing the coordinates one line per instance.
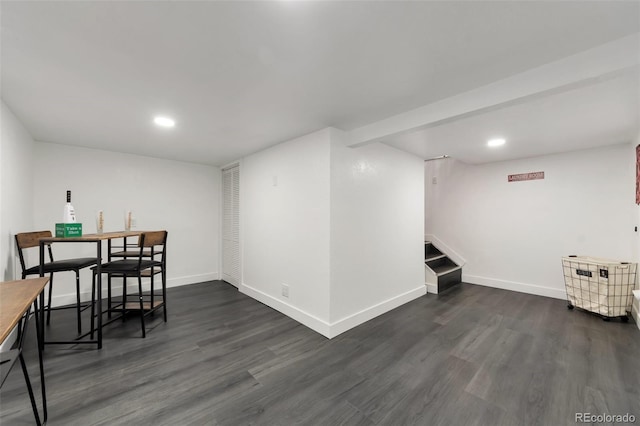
(97, 239)
(16, 298)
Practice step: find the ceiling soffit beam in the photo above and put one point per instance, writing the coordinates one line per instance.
(583, 69)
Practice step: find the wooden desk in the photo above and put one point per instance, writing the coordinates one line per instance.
(16, 298)
(88, 238)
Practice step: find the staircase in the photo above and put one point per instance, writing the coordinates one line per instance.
(442, 273)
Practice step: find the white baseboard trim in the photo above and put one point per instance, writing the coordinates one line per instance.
(451, 253)
(515, 286)
(347, 323)
(192, 279)
(432, 288)
(331, 330)
(116, 289)
(311, 321)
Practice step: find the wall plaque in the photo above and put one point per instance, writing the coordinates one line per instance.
(526, 176)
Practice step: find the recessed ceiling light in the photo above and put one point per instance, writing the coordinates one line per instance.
(496, 142)
(164, 121)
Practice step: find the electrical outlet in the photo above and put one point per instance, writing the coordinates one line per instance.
(434, 180)
(285, 290)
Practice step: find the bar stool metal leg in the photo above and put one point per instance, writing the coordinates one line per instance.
(38, 309)
(30, 389)
(141, 306)
(50, 295)
(78, 307)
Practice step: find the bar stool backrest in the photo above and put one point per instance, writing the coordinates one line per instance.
(25, 240)
(154, 238)
(31, 239)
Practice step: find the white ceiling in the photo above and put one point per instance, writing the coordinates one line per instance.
(603, 113)
(241, 76)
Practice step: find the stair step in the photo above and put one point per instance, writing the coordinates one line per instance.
(435, 257)
(441, 264)
(430, 251)
(449, 279)
(448, 271)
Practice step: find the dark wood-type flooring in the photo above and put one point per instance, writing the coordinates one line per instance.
(471, 356)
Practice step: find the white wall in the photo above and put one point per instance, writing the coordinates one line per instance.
(284, 210)
(16, 185)
(342, 227)
(512, 235)
(377, 228)
(183, 198)
(16, 202)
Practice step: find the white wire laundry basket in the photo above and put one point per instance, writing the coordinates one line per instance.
(601, 286)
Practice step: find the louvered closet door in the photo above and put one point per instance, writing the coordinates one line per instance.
(231, 225)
